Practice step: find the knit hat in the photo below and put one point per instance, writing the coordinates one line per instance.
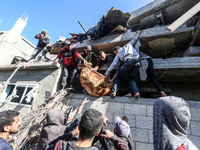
(122, 127)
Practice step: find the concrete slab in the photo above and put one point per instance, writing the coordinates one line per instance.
(192, 51)
(156, 42)
(160, 12)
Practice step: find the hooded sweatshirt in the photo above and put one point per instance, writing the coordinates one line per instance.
(171, 118)
(53, 129)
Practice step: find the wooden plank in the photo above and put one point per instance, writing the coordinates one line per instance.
(184, 17)
(55, 50)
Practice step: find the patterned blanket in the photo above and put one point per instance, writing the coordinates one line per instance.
(94, 83)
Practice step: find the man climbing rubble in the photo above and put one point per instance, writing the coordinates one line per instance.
(130, 57)
(69, 53)
(43, 40)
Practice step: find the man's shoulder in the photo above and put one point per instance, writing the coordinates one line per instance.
(4, 145)
(71, 146)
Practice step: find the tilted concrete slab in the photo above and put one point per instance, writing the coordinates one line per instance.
(192, 51)
(156, 42)
(168, 10)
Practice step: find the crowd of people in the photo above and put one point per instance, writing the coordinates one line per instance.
(127, 58)
(171, 118)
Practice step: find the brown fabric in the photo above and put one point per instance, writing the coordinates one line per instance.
(94, 83)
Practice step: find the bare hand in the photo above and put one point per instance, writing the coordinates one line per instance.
(104, 121)
(107, 134)
(75, 132)
(56, 61)
(85, 101)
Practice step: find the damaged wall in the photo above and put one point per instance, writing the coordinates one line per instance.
(140, 115)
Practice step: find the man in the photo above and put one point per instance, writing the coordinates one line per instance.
(121, 130)
(69, 53)
(89, 56)
(103, 58)
(43, 40)
(56, 127)
(9, 123)
(130, 57)
(151, 75)
(171, 118)
(89, 126)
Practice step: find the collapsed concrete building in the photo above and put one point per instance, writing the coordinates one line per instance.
(176, 63)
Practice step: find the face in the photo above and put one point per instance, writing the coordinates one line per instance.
(14, 128)
(103, 56)
(68, 46)
(115, 52)
(86, 51)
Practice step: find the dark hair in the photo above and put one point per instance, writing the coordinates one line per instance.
(7, 118)
(100, 53)
(116, 47)
(90, 123)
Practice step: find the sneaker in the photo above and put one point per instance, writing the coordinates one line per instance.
(113, 94)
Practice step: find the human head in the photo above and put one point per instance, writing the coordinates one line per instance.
(87, 49)
(9, 121)
(122, 128)
(90, 124)
(67, 44)
(102, 55)
(115, 49)
(171, 117)
(55, 117)
(44, 32)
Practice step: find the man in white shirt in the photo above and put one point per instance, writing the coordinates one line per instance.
(130, 57)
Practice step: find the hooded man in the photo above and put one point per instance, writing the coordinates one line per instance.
(171, 118)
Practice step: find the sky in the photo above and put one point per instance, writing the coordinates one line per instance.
(60, 17)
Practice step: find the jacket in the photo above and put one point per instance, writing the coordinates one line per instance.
(171, 118)
(69, 56)
(53, 129)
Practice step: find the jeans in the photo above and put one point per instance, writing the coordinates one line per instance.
(128, 68)
(68, 72)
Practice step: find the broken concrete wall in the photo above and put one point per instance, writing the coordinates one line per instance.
(21, 47)
(159, 12)
(47, 76)
(140, 115)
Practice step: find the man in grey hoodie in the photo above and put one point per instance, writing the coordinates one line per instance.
(171, 118)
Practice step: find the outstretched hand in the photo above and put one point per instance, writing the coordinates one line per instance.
(85, 101)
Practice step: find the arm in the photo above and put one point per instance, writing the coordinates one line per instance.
(134, 40)
(59, 56)
(114, 63)
(119, 144)
(80, 108)
(46, 40)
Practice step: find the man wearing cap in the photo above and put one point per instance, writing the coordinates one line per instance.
(69, 53)
(43, 40)
(89, 56)
(130, 57)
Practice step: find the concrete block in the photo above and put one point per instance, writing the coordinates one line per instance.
(116, 107)
(195, 140)
(192, 51)
(135, 109)
(140, 135)
(195, 114)
(144, 122)
(195, 128)
(143, 146)
(150, 110)
(151, 136)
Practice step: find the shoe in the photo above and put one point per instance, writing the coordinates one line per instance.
(113, 94)
(137, 96)
(128, 95)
